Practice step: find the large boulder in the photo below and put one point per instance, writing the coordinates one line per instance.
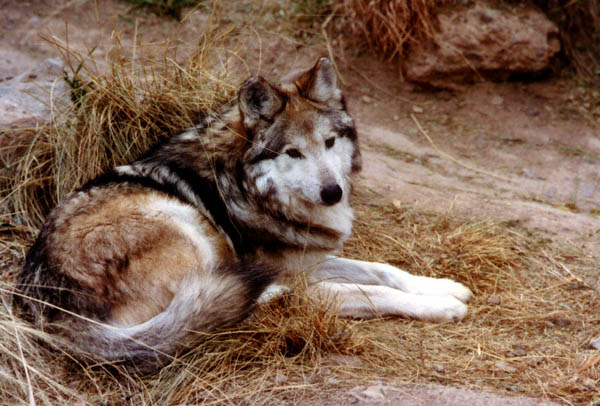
(483, 40)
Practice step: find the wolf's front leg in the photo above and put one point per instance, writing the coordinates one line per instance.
(343, 270)
(368, 301)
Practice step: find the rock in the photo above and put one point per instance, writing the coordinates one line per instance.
(534, 361)
(550, 192)
(494, 300)
(425, 395)
(518, 350)
(280, 379)
(417, 109)
(531, 112)
(28, 99)
(343, 360)
(497, 100)
(505, 366)
(374, 392)
(438, 368)
(595, 343)
(366, 99)
(480, 41)
(560, 321)
(587, 190)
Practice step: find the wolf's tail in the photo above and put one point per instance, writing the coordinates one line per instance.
(204, 302)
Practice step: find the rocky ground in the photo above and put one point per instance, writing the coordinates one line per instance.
(526, 153)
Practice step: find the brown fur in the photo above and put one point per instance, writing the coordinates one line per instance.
(127, 259)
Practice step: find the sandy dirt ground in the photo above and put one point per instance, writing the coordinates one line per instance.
(523, 153)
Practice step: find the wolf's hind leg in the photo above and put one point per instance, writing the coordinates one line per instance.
(369, 301)
(343, 270)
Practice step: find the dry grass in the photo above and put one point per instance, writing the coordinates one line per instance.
(527, 331)
(529, 325)
(579, 23)
(116, 114)
(389, 25)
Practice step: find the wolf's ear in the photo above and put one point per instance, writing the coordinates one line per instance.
(258, 100)
(320, 84)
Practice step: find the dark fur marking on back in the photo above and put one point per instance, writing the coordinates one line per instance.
(113, 177)
(208, 192)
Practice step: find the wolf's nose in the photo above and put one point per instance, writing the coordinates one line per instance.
(331, 194)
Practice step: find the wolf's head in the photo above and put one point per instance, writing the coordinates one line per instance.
(303, 144)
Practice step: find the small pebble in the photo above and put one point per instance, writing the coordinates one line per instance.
(494, 300)
(505, 366)
(486, 19)
(367, 99)
(550, 192)
(587, 190)
(497, 100)
(374, 392)
(531, 112)
(589, 383)
(595, 343)
(560, 322)
(280, 378)
(438, 368)
(417, 109)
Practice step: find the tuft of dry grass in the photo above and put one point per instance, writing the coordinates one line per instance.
(579, 23)
(117, 113)
(389, 25)
(536, 306)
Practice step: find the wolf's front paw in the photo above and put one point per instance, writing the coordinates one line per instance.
(442, 309)
(457, 289)
(439, 287)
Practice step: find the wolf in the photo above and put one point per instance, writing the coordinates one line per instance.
(140, 262)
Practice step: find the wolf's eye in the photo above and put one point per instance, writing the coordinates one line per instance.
(329, 142)
(294, 153)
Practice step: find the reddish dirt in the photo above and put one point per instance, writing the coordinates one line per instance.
(524, 153)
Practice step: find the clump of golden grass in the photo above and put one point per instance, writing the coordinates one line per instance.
(389, 25)
(535, 309)
(116, 115)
